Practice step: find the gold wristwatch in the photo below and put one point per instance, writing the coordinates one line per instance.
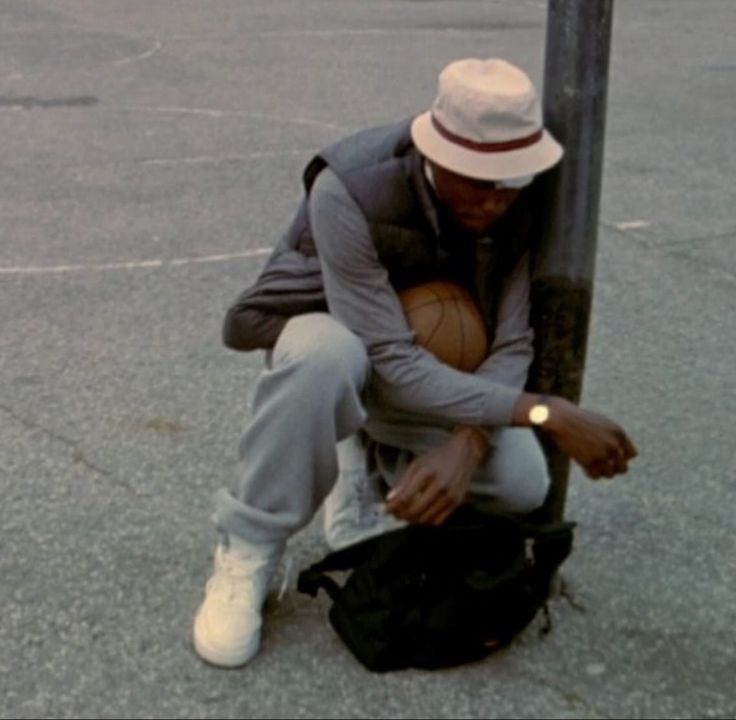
(539, 412)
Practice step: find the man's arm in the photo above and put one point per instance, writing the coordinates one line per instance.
(512, 350)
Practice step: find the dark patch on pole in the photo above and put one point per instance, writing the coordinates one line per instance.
(560, 317)
(30, 103)
(575, 89)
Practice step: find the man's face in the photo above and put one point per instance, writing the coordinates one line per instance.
(474, 205)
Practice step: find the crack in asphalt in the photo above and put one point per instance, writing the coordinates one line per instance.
(703, 238)
(77, 454)
(569, 697)
(695, 261)
(673, 248)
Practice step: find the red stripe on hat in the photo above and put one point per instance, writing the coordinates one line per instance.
(486, 147)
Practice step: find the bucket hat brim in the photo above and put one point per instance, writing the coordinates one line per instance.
(498, 165)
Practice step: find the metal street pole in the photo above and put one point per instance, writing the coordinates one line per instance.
(575, 90)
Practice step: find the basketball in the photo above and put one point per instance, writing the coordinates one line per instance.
(447, 323)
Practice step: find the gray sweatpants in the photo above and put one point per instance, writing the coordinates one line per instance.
(314, 392)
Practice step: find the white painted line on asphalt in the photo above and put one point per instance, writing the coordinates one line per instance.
(208, 112)
(215, 113)
(143, 56)
(374, 32)
(133, 265)
(203, 159)
(221, 258)
(632, 225)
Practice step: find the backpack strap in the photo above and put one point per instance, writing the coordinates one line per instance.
(311, 581)
(315, 578)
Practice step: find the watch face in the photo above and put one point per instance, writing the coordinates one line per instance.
(539, 414)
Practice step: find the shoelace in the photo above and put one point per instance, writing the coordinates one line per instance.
(288, 568)
(233, 584)
(234, 579)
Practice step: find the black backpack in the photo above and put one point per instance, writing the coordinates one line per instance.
(432, 597)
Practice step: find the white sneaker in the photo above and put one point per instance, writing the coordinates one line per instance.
(355, 509)
(227, 628)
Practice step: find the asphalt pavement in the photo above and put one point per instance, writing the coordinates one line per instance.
(151, 155)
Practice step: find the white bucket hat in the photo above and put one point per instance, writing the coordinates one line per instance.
(486, 123)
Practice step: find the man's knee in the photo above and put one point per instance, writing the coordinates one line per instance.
(528, 488)
(323, 349)
(517, 476)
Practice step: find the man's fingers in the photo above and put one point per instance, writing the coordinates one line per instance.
(607, 467)
(409, 485)
(594, 470)
(421, 503)
(630, 450)
(616, 464)
(442, 516)
(624, 444)
(437, 512)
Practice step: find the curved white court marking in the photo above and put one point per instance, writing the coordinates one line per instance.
(211, 159)
(158, 45)
(133, 265)
(385, 32)
(216, 113)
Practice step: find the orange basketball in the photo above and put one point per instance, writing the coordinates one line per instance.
(447, 323)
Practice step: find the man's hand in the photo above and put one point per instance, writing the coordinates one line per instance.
(436, 483)
(600, 446)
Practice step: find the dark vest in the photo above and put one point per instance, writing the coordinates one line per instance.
(383, 173)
